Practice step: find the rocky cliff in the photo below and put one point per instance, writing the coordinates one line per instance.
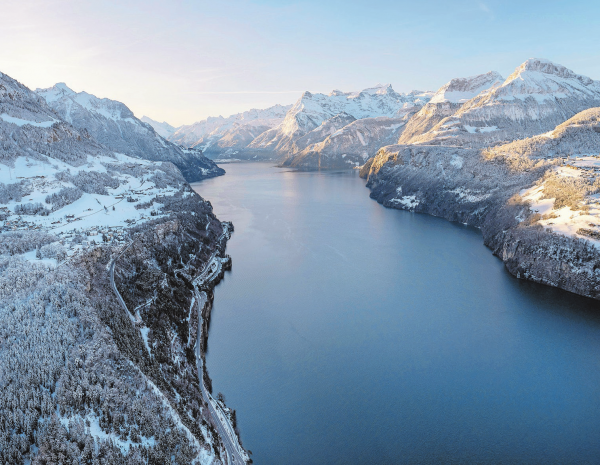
(473, 187)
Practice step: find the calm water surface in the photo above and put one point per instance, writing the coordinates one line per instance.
(351, 333)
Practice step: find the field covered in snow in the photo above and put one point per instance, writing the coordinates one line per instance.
(567, 201)
(62, 199)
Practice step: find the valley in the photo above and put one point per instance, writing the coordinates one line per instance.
(115, 259)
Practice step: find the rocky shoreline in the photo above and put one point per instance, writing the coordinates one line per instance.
(174, 322)
(455, 184)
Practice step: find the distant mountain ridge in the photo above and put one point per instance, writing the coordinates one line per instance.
(312, 110)
(345, 129)
(115, 126)
(163, 129)
(219, 134)
(447, 100)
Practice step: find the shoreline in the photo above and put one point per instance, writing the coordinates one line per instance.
(485, 196)
(204, 285)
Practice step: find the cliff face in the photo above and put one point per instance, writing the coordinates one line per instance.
(155, 278)
(461, 185)
(168, 309)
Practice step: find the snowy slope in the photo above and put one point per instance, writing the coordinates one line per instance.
(446, 101)
(163, 129)
(65, 194)
(56, 177)
(578, 136)
(114, 125)
(311, 110)
(322, 132)
(566, 199)
(217, 134)
(538, 96)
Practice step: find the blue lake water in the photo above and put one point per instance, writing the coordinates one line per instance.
(351, 333)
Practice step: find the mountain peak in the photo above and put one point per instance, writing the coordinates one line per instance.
(62, 86)
(56, 92)
(378, 89)
(541, 65)
(459, 90)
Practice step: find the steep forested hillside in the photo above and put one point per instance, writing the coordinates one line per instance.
(84, 378)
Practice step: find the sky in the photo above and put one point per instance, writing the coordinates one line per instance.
(182, 61)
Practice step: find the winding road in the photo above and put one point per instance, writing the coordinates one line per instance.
(235, 453)
(112, 278)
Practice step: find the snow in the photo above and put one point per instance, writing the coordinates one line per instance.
(144, 332)
(538, 205)
(23, 122)
(408, 201)
(469, 195)
(107, 108)
(589, 161)
(95, 430)
(167, 404)
(217, 126)
(163, 129)
(564, 220)
(92, 214)
(460, 90)
(311, 110)
(362, 140)
(457, 161)
(475, 129)
(30, 256)
(98, 216)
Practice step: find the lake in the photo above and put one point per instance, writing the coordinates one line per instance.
(351, 333)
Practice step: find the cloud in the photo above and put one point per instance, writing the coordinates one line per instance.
(486, 9)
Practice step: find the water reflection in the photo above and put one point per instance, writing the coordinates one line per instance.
(350, 333)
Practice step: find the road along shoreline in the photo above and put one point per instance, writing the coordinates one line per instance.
(204, 284)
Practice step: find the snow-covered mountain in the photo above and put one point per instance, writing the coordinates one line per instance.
(538, 96)
(79, 368)
(311, 110)
(520, 161)
(114, 125)
(349, 146)
(163, 129)
(216, 135)
(446, 101)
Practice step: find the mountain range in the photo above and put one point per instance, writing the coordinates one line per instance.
(344, 129)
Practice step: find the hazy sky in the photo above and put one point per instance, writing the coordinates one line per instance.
(182, 61)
